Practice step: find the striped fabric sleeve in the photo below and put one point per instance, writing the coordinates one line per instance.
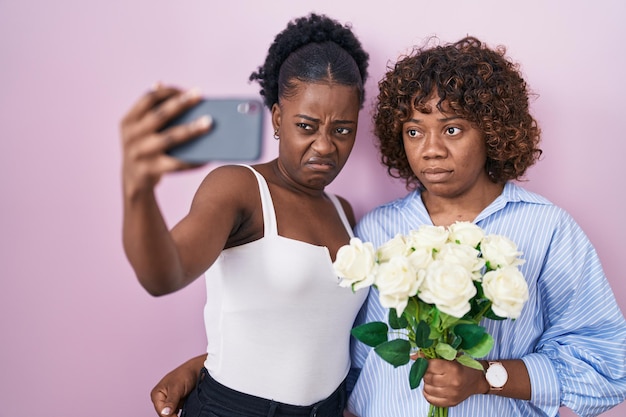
(585, 338)
(544, 381)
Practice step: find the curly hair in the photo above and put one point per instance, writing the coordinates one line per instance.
(478, 84)
(312, 48)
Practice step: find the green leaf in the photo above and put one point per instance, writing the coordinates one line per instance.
(425, 310)
(445, 351)
(479, 304)
(491, 315)
(418, 369)
(435, 318)
(411, 308)
(422, 334)
(480, 293)
(470, 362)
(471, 334)
(396, 351)
(396, 322)
(482, 348)
(372, 334)
(456, 341)
(447, 320)
(435, 334)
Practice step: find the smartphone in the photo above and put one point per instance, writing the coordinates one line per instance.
(236, 134)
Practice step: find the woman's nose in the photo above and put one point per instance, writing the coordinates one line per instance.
(323, 143)
(434, 146)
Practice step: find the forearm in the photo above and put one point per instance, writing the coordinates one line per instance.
(149, 245)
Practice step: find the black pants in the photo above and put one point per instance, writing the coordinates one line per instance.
(212, 399)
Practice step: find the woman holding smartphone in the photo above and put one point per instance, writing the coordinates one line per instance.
(277, 323)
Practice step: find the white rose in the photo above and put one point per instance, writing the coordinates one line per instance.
(356, 264)
(393, 247)
(463, 255)
(420, 258)
(465, 233)
(508, 291)
(428, 237)
(449, 286)
(499, 251)
(396, 281)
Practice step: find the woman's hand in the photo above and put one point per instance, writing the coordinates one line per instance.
(144, 143)
(168, 396)
(168, 399)
(448, 383)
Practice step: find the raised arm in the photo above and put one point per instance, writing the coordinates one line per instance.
(166, 261)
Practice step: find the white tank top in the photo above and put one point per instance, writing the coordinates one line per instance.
(277, 322)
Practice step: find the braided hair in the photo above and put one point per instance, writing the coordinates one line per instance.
(311, 49)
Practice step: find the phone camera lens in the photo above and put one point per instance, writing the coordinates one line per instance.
(248, 107)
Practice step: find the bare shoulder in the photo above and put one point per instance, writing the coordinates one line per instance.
(230, 173)
(229, 185)
(234, 178)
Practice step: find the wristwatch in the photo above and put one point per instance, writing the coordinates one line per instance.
(496, 375)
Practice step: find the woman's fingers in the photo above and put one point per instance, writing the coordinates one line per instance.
(179, 134)
(168, 109)
(155, 109)
(149, 101)
(145, 141)
(160, 142)
(448, 383)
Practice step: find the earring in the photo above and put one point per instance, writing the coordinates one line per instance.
(276, 136)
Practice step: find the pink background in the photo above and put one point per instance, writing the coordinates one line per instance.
(79, 336)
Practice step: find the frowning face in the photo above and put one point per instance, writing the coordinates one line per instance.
(317, 128)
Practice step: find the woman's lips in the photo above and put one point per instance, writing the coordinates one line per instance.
(436, 174)
(321, 164)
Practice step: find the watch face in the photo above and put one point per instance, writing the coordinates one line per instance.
(496, 375)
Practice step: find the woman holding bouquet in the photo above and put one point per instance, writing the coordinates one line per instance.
(267, 271)
(453, 121)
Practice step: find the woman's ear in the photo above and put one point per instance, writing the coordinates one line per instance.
(276, 117)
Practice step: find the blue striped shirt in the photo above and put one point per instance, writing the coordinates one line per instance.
(571, 334)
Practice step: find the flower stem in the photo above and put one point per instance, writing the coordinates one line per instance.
(434, 411)
(480, 315)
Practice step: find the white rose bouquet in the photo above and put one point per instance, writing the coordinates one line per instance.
(438, 284)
